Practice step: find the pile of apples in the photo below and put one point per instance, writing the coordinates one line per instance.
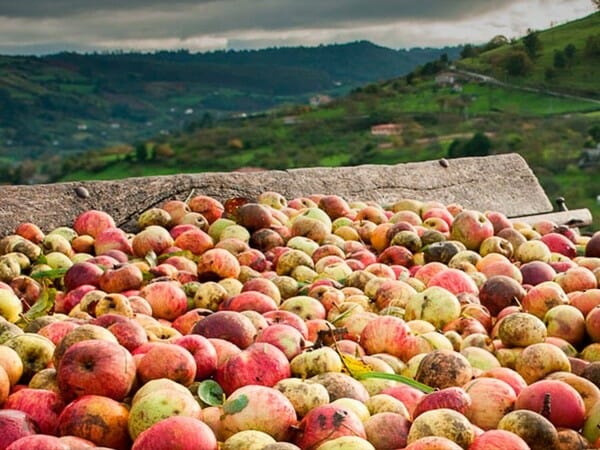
(311, 323)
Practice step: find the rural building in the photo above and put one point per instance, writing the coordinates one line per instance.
(386, 129)
(445, 78)
(590, 157)
(320, 100)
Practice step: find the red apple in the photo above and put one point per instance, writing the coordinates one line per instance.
(229, 325)
(42, 405)
(82, 273)
(217, 263)
(259, 364)
(167, 361)
(209, 207)
(327, 422)
(202, 350)
(167, 299)
(471, 228)
(384, 335)
(111, 239)
(98, 419)
(177, 432)
(96, 367)
(93, 222)
(453, 398)
(498, 440)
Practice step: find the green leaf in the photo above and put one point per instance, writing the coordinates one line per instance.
(151, 258)
(395, 377)
(236, 405)
(211, 393)
(49, 274)
(41, 307)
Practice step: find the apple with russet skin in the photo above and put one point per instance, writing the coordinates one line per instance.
(166, 298)
(266, 239)
(93, 222)
(203, 352)
(181, 432)
(442, 422)
(540, 360)
(42, 405)
(15, 425)
(96, 367)
(568, 323)
(259, 364)
(34, 350)
(533, 250)
(98, 419)
(165, 360)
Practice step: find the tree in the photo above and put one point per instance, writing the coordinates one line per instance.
(570, 51)
(469, 51)
(141, 152)
(560, 60)
(532, 44)
(592, 46)
(517, 63)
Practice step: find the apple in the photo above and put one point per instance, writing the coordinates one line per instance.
(57, 330)
(93, 222)
(181, 432)
(166, 298)
(491, 398)
(10, 305)
(34, 350)
(444, 368)
(11, 363)
(542, 297)
(540, 360)
(442, 422)
(384, 334)
(151, 239)
(471, 228)
(111, 239)
(558, 243)
(209, 207)
(203, 352)
(167, 361)
(576, 279)
(498, 440)
(81, 333)
(121, 278)
(452, 398)
(98, 419)
(229, 325)
(259, 364)
(533, 250)
(328, 422)
(253, 407)
(249, 300)
(435, 304)
(536, 272)
(43, 406)
(30, 231)
(216, 264)
(15, 425)
(567, 322)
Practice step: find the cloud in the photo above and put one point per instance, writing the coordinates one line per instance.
(211, 24)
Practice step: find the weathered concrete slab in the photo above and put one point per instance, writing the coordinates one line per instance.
(502, 182)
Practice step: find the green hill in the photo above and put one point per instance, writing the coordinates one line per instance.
(69, 102)
(564, 58)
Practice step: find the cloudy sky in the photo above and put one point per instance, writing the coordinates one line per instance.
(42, 26)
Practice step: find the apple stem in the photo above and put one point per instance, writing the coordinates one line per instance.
(546, 408)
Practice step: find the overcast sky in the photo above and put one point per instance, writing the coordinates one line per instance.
(42, 26)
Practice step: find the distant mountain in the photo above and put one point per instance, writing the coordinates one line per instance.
(72, 102)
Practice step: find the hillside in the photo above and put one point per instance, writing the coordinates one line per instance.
(69, 102)
(564, 58)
